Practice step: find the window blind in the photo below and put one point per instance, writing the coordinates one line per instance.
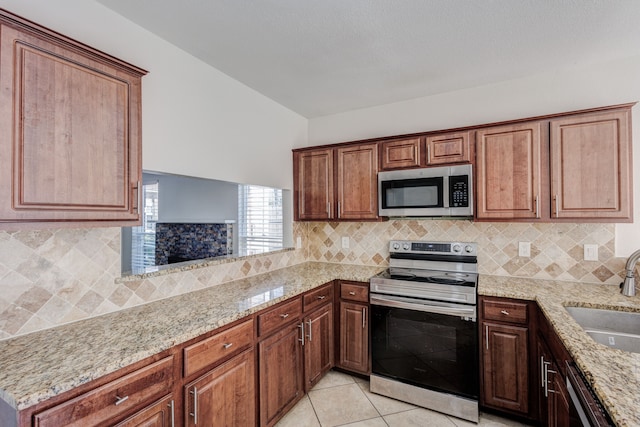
(260, 227)
(143, 237)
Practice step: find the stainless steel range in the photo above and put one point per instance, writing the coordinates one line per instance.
(424, 335)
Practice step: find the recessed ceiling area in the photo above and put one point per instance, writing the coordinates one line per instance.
(325, 57)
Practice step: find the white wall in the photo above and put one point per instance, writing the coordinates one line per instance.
(557, 91)
(186, 199)
(196, 120)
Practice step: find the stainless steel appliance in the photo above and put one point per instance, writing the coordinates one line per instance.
(584, 408)
(437, 191)
(424, 335)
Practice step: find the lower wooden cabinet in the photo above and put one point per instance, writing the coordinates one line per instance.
(318, 345)
(506, 340)
(554, 396)
(505, 367)
(225, 396)
(248, 373)
(159, 414)
(353, 348)
(281, 378)
(113, 400)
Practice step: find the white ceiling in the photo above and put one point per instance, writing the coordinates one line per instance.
(319, 57)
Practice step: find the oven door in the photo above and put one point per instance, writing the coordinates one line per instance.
(426, 344)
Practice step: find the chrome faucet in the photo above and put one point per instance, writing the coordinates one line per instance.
(629, 284)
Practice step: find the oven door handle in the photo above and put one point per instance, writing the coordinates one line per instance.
(447, 309)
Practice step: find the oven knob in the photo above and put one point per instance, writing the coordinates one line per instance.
(457, 248)
(396, 246)
(406, 246)
(468, 249)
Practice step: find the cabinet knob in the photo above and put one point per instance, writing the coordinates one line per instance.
(227, 345)
(321, 297)
(351, 293)
(505, 312)
(284, 316)
(120, 400)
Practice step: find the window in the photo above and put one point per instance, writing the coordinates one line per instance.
(143, 238)
(260, 220)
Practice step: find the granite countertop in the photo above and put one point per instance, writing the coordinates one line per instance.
(43, 364)
(613, 374)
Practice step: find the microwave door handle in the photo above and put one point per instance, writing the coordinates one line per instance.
(445, 192)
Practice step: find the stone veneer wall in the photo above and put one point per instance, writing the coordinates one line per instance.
(191, 241)
(51, 277)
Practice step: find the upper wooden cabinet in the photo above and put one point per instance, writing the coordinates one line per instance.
(336, 183)
(430, 150)
(570, 167)
(70, 137)
(591, 166)
(314, 193)
(448, 148)
(400, 154)
(357, 183)
(509, 171)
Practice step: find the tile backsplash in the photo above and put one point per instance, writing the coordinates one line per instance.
(50, 277)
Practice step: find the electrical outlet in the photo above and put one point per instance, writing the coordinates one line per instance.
(345, 242)
(590, 252)
(299, 242)
(524, 249)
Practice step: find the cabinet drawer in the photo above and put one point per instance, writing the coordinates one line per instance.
(354, 292)
(317, 297)
(505, 311)
(217, 347)
(274, 318)
(113, 399)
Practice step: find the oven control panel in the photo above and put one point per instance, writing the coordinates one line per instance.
(444, 248)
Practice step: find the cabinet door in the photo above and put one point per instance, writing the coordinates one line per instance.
(225, 396)
(314, 184)
(281, 377)
(505, 367)
(318, 346)
(399, 154)
(159, 414)
(448, 148)
(591, 166)
(354, 337)
(357, 182)
(509, 172)
(554, 396)
(70, 141)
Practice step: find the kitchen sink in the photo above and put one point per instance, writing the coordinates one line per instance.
(615, 329)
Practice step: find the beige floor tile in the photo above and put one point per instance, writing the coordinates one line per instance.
(487, 420)
(383, 404)
(301, 415)
(332, 379)
(341, 405)
(418, 417)
(373, 422)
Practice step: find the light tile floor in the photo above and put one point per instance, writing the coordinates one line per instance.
(343, 400)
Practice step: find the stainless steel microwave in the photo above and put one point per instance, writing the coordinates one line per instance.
(437, 191)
